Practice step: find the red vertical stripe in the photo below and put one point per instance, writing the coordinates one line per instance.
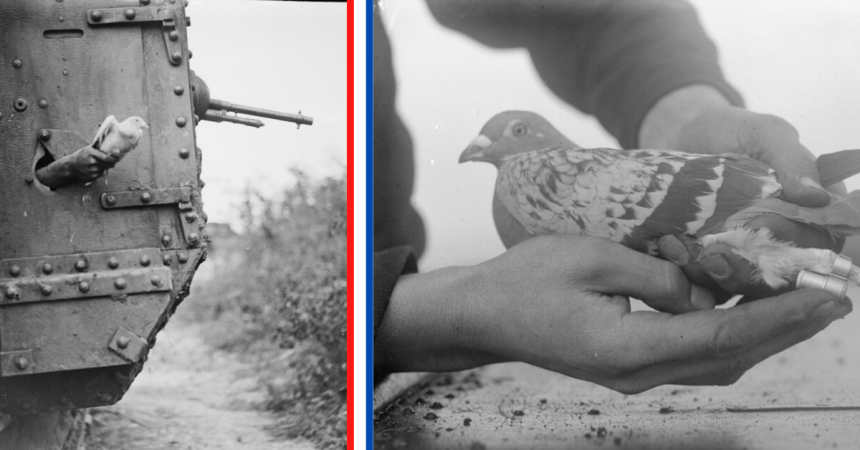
(350, 363)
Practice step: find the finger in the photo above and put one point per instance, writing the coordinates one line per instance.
(718, 372)
(660, 284)
(734, 273)
(684, 251)
(710, 335)
(796, 171)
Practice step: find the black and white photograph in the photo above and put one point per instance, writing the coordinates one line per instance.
(173, 230)
(615, 224)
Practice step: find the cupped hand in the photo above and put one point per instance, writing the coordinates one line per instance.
(561, 302)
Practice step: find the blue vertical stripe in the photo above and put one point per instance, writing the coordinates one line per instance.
(369, 219)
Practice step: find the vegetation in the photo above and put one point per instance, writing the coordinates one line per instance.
(278, 290)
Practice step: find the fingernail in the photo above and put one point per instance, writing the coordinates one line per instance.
(810, 183)
(825, 309)
(674, 250)
(701, 298)
(716, 266)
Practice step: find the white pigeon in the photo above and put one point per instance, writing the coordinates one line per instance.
(118, 138)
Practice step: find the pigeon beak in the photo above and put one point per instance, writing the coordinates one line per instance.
(475, 150)
(144, 125)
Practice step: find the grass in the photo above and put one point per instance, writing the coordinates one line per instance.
(278, 290)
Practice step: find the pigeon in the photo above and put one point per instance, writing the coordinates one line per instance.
(118, 138)
(634, 197)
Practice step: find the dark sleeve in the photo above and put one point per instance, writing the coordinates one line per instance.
(388, 266)
(612, 59)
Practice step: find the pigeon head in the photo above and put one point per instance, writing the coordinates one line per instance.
(510, 133)
(136, 121)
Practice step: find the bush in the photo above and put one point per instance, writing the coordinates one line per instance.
(279, 289)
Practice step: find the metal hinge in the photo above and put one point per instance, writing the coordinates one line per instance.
(188, 217)
(167, 15)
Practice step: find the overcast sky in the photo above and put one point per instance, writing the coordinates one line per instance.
(797, 59)
(284, 56)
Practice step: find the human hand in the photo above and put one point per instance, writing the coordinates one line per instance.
(698, 119)
(85, 164)
(560, 302)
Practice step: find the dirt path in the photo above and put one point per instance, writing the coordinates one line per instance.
(188, 397)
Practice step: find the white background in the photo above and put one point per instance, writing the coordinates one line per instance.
(796, 59)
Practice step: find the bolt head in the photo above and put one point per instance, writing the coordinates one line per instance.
(81, 265)
(120, 283)
(155, 280)
(10, 293)
(15, 271)
(129, 14)
(193, 238)
(166, 259)
(66, 72)
(84, 286)
(144, 2)
(178, 90)
(45, 134)
(176, 57)
(190, 54)
(21, 363)
(184, 153)
(173, 35)
(47, 268)
(113, 263)
(182, 257)
(191, 217)
(166, 240)
(17, 63)
(146, 197)
(181, 121)
(43, 103)
(110, 200)
(20, 105)
(144, 260)
(96, 16)
(122, 341)
(46, 289)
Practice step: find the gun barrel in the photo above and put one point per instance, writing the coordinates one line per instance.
(222, 116)
(260, 112)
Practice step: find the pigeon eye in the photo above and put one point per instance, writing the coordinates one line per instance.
(519, 130)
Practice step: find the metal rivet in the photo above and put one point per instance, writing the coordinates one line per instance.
(122, 341)
(17, 63)
(183, 153)
(144, 260)
(173, 35)
(45, 135)
(46, 289)
(21, 363)
(43, 103)
(129, 14)
(166, 259)
(190, 54)
(10, 293)
(146, 197)
(96, 16)
(178, 90)
(166, 240)
(110, 200)
(190, 217)
(182, 257)
(181, 121)
(120, 283)
(62, 19)
(193, 238)
(144, 2)
(47, 268)
(202, 183)
(113, 263)
(28, 178)
(84, 286)
(15, 271)
(81, 265)
(155, 280)
(20, 105)
(176, 57)
(65, 72)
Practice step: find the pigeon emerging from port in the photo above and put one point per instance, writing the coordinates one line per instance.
(552, 186)
(118, 138)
